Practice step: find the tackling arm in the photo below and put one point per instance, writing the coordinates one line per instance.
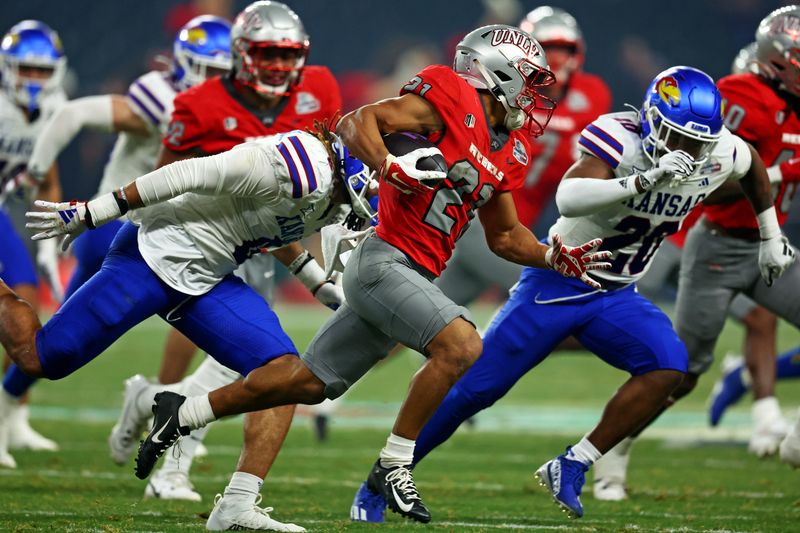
(105, 113)
(506, 236)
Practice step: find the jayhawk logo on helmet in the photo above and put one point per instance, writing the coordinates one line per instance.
(669, 91)
(196, 35)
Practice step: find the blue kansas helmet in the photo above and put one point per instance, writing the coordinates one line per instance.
(203, 43)
(30, 47)
(358, 180)
(682, 111)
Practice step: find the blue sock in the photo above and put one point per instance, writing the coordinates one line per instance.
(455, 408)
(788, 364)
(16, 382)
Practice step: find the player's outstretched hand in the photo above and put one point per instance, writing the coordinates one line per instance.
(58, 218)
(22, 185)
(675, 165)
(577, 261)
(775, 255)
(402, 173)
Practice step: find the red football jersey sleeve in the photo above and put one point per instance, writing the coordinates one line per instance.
(214, 117)
(554, 151)
(755, 111)
(426, 226)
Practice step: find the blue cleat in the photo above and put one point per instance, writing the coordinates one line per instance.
(729, 389)
(564, 478)
(367, 506)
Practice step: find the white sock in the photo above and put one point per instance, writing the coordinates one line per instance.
(397, 452)
(196, 412)
(181, 454)
(766, 410)
(209, 375)
(584, 452)
(243, 485)
(146, 398)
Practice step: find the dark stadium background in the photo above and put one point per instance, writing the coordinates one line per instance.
(373, 45)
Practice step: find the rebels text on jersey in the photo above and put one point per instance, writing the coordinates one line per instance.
(212, 117)
(633, 229)
(760, 115)
(587, 97)
(425, 226)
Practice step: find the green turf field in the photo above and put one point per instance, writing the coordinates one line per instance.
(684, 478)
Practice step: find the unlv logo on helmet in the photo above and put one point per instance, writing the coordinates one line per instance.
(252, 20)
(517, 38)
(789, 25)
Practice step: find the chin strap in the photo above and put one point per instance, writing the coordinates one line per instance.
(515, 118)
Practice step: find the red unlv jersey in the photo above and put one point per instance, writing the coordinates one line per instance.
(213, 117)
(587, 98)
(757, 113)
(426, 226)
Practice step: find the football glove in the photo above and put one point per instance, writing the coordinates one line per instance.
(72, 218)
(23, 185)
(576, 262)
(775, 255)
(310, 274)
(401, 172)
(672, 165)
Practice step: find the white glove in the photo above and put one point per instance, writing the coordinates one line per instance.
(310, 274)
(402, 173)
(775, 255)
(22, 184)
(677, 164)
(72, 218)
(47, 261)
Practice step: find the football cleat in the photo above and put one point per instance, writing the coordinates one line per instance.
(234, 514)
(131, 422)
(789, 448)
(21, 436)
(767, 436)
(610, 472)
(166, 431)
(6, 406)
(396, 485)
(367, 506)
(564, 479)
(171, 485)
(321, 427)
(729, 389)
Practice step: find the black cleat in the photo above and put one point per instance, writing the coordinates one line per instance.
(397, 486)
(164, 433)
(321, 427)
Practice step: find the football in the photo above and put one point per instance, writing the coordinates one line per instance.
(403, 142)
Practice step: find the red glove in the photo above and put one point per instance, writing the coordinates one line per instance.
(402, 173)
(575, 262)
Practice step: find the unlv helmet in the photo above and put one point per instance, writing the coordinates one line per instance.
(777, 49)
(683, 106)
(267, 27)
(552, 26)
(31, 44)
(745, 60)
(511, 65)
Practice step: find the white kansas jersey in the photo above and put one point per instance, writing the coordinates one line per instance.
(18, 135)
(633, 229)
(151, 97)
(261, 195)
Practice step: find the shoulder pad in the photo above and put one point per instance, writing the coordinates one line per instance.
(152, 97)
(611, 137)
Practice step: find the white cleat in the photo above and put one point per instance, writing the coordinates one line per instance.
(790, 447)
(610, 473)
(200, 451)
(236, 514)
(766, 438)
(6, 402)
(22, 436)
(131, 423)
(171, 485)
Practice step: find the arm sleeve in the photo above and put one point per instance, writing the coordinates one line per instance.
(578, 197)
(90, 112)
(245, 171)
